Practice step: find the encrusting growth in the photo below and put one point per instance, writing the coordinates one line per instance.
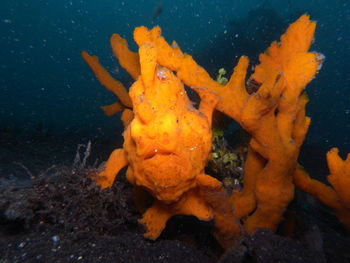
(167, 142)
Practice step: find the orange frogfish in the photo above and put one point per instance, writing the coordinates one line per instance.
(166, 145)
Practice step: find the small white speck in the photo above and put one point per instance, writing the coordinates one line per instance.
(21, 245)
(55, 238)
(193, 148)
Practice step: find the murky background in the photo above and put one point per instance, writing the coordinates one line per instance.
(45, 85)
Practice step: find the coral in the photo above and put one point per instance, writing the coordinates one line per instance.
(168, 142)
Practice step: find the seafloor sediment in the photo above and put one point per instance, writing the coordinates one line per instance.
(51, 211)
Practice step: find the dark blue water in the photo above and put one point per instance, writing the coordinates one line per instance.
(45, 83)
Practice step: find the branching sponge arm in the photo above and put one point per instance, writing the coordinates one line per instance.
(106, 79)
(337, 197)
(340, 176)
(128, 60)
